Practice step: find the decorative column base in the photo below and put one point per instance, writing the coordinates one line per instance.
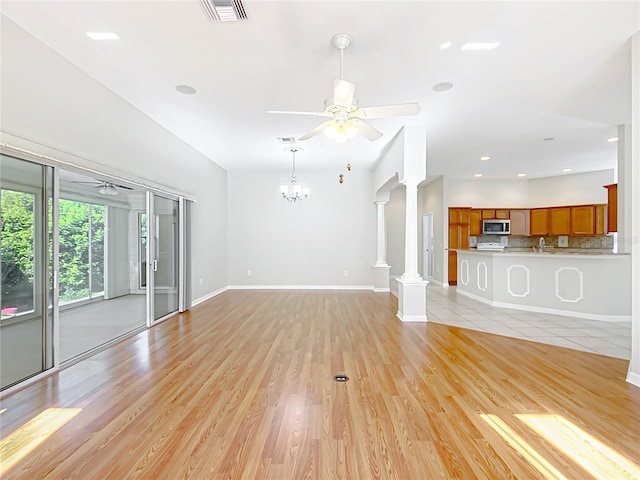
(412, 300)
(381, 278)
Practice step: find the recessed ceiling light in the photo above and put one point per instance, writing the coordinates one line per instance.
(186, 89)
(612, 139)
(442, 87)
(480, 45)
(102, 36)
(484, 159)
(522, 174)
(548, 139)
(565, 170)
(445, 45)
(478, 175)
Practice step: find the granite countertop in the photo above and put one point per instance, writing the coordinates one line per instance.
(549, 251)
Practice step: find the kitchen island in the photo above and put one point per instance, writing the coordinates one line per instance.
(587, 284)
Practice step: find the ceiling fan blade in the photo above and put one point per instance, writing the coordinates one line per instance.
(367, 131)
(315, 131)
(382, 111)
(343, 92)
(315, 114)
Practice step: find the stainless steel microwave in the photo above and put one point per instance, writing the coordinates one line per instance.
(496, 227)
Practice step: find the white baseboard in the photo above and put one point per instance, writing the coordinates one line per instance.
(300, 287)
(412, 318)
(633, 378)
(553, 311)
(381, 290)
(208, 296)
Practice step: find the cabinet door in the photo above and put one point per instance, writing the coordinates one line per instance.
(453, 268)
(519, 222)
(502, 214)
(475, 222)
(488, 213)
(539, 221)
(583, 220)
(454, 238)
(560, 221)
(612, 207)
(601, 215)
(463, 235)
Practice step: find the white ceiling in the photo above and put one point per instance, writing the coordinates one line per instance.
(562, 70)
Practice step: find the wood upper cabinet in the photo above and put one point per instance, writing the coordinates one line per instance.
(475, 222)
(560, 221)
(459, 216)
(601, 216)
(612, 210)
(539, 221)
(583, 220)
(502, 214)
(520, 223)
(488, 213)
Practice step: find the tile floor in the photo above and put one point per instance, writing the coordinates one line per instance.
(612, 339)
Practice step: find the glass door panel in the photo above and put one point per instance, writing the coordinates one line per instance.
(26, 246)
(165, 261)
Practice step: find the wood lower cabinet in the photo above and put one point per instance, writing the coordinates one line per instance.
(539, 221)
(453, 268)
(612, 207)
(560, 221)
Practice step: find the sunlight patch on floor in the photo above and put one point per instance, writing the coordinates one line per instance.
(21, 442)
(522, 447)
(599, 460)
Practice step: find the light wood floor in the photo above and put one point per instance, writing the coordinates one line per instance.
(241, 387)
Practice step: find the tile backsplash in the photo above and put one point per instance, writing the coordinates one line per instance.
(514, 241)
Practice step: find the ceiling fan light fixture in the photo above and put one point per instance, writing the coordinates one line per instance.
(108, 189)
(342, 132)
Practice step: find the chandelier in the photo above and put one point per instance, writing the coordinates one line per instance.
(294, 192)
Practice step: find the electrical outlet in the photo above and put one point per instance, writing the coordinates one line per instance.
(346, 273)
(249, 273)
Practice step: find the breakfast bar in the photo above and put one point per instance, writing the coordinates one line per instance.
(587, 284)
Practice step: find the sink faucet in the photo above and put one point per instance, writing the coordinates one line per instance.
(541, 244)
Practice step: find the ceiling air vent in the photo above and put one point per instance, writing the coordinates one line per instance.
(287, 140)
(224, 10)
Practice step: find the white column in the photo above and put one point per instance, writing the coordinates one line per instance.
(411, 233)
(412, 289)
(381, 257)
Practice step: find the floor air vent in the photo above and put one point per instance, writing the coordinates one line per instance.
(224, 10)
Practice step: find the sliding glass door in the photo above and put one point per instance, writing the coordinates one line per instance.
(27, 293)
(163, 259)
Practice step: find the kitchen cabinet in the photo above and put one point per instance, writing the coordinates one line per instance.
(453, 268)
(583, 220)
(560, 221)
(520, 222)
(612, 207)
(502, 214)
(601, 216)
(488, 213)
(539, 221)
(458, 239)
(475, 222)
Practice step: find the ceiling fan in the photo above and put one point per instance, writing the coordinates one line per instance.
(346, 118)
(106, 188)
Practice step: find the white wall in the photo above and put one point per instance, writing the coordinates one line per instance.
(574, 189)
(431, 200)
(488, 193)
(312, 242)
(41, 91)
(395, 216)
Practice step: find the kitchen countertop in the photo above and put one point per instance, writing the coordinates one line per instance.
(547, 251)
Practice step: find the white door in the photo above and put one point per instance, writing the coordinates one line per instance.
(427, 242)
